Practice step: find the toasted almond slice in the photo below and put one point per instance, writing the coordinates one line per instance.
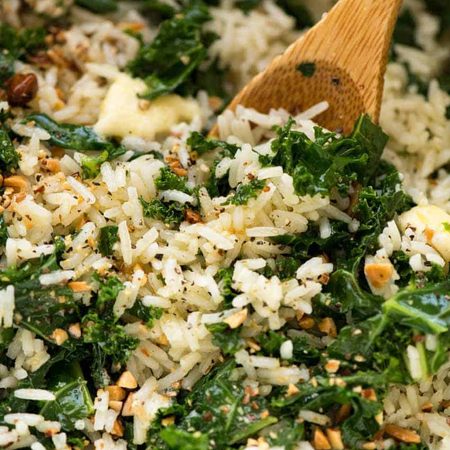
(370, 394)
(369, 446)
(236, 319)
(116, 392)
(292, 390)
(335, 438)
(328, 327)
(306, 323)
(79, 286)
(75, 330)
(117, 429)
(402, 434)
(378, 274)
(127, 380)
(320, 441)
(128, 406)
(332, 365)
(17, 182)
(343, 412)
(427, 407)
(115, 405)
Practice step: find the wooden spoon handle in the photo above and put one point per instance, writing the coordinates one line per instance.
(347, 52)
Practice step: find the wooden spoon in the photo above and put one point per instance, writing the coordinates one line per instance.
(341, 60)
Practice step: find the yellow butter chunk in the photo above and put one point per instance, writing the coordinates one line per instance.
(123, 113)
(434, 222)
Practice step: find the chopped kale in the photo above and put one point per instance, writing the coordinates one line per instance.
(9, 158)
(176, 439)
(15, 44)
(177, 50)
(107, 238)
(79, 138)
(169, 180)
(171, 213)
(107, 293)
(284, 267)
(225, 280)
(307, 69)
(244, 192)
(201, 144)
(147, 314)
(98, 6)
(226, 338)
(3, 231)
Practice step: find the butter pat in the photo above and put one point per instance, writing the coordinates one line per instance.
(432, 221)
(123, 113)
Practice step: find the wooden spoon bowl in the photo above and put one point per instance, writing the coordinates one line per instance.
(341, 60)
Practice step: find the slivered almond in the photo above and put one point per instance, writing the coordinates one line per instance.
(369, 446)
(402, 434)
(17, 182)
(127, 409)
(236, 319)
(115, 405)
(335, 438)
(116, 392)
(307, 323)
(192, 216)
(378, 274)
(328, 327)
(429, 233)
(59, 336)
(343, 413)
(52, 165)
(79, 286)
(127, 380)
(75, 330)
(427, 407)
(292, 390)
(117, 429)
(320, 441)
(332, 365)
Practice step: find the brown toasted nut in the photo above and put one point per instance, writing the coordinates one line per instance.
(17, 182)
(177, 168)
(343, 413)
(320, 441)
(116, 393)
(117, 429)
(167, 421)
(75, 330)
(328, 326)
(59, 336)
(127, 380)
(427, 407)
(402, 434)
(79, 286)
(378, 274)
(292, 390)
(370, 394)
(128, 406)
(332, 365)
(192, 216)
(306, 323)
(335, 438)
(236, 319)
(22, 88)
(51, 164)
(115, 405)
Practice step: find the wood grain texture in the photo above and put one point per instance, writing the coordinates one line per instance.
(348, 49)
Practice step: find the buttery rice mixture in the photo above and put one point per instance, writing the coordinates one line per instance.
(278, 287)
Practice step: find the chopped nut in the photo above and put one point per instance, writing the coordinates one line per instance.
(128, 406)
(22, 88)
(236, 319)
(116, 392)
(115, 405)
(265, 414)
(402, 434)
(307, 323)
(335, 438)
(215, 103)
(192, 216)
(328, 327)
(370, 394)
(75, 330)
(117, 429)
(177, 168)
(369, 446)
(292, 390)
(320, 441)
(79, 286)
(127, 380)
(332, 365)
(378, 274)
(167, 421)
(16, 181)
(52, 165)
(429, 233)
(59, 336)
(427, 407)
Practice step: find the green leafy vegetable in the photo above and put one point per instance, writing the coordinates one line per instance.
(169, 180)
(171, 213)
(98, 6)
(244, 192)
(178, 49)
(17, 44)
(107, 238)
(9, 158)
(79, 138)
(226, 338)
(3, 231)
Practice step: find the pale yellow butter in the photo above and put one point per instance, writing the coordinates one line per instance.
(123, 113)
(429, 220)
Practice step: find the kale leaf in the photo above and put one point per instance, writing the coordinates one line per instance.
(177, 50)
(3, 231)
(107, 238)
(226, 338)
(9, 158)
(98, 6)
(171, 213)
(169, 180)
(79, 138)
(244, 192)
(17, 44)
